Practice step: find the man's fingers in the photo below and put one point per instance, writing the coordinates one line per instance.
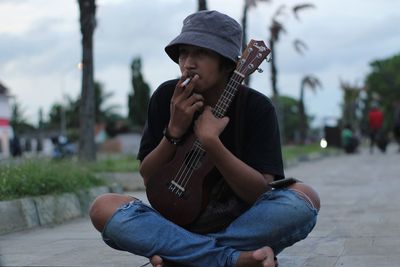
(156, 261)
(194, 99)
(180, 87)
(197, 106)
(187, 89)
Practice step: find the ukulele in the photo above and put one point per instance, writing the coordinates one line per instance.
(179, 191)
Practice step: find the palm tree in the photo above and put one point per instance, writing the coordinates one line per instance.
(139, 99)
(247, 5)
(202, 5)
(87, 150)
(103, 110)
(276, 29)
(351, 102)
(312, 83)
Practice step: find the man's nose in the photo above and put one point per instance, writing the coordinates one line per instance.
(190, 62)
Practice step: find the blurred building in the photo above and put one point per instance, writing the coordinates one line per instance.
(6, 132)
(126, 143)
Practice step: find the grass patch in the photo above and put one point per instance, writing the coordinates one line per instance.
(293, 152)
(41, 177)
(115, 163)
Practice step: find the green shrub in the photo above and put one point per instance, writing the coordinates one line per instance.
(115, 163)
(295, 151)
(40, 177)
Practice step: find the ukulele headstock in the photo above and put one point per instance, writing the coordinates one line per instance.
(252, 57)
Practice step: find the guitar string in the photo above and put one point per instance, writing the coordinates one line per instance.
(194, 162)
(180, 171)
(198, 156)
(198, 153)
(223, 100)
(190, 163)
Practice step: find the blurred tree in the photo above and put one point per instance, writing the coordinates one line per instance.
(103, 112)
(39, 146)
(351, 104)
(138, 100)
(18, 121)
(54, 116)
(202, 5)
(312, 83)
(289, 106)
(40, 121)
(276, 29)
(116, 124)
(87, 149)
(70, 111)
(247, 5)
(383, 83)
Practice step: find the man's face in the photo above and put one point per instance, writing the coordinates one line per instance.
(203, 62)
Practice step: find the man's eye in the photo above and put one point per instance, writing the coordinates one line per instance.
(182, 51)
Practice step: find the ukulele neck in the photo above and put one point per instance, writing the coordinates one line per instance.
(227, 96)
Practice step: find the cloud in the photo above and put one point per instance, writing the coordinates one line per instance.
(41, 45)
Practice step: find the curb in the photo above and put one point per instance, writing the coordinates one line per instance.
(310, 157)
(129, 181)
(26, 213)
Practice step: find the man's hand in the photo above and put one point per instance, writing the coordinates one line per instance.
(208, 127)
(183, 106)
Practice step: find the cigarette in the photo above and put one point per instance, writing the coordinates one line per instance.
(186, 82)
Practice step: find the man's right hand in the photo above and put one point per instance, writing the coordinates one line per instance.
(183, 106)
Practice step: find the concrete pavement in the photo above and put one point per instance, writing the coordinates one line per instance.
(358, 225)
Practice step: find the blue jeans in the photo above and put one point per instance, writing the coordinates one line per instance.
(278, 219)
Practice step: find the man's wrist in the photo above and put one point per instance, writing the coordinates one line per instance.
(176, 141)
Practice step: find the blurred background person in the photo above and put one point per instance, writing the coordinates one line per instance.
(396, 127)
(349, 140)
(375, 122)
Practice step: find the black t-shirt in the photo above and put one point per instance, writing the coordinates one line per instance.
(260, 146)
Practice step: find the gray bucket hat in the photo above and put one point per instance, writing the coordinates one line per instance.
(212, 30)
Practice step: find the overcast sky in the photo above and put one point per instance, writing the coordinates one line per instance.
(40, 46)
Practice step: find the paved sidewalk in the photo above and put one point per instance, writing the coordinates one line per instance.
(358, 225)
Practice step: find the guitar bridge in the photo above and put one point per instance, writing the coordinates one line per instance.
(176, 188)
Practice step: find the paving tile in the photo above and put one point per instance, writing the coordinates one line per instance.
(358, 225)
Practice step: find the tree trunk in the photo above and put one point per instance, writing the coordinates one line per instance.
(244, 37)
(275, 91)
(202, 5)
(302, 117)
(274, 71)
(87, 149)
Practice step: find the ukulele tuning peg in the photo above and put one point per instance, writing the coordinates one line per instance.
(260, 70)
(268, 59)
